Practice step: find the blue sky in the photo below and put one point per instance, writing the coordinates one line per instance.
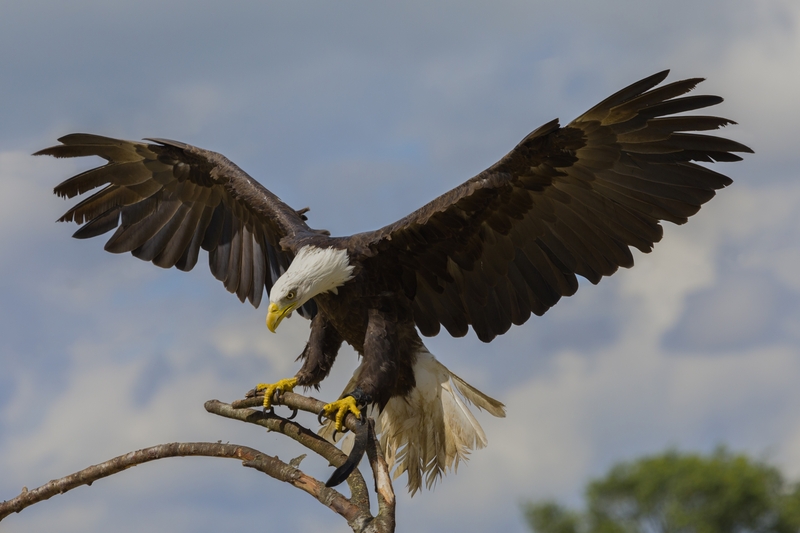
(364, 111)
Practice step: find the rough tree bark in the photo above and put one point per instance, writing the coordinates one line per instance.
(355, 509)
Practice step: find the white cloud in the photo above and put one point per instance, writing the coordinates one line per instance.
(662, 279)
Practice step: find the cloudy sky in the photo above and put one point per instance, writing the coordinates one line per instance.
(364, 111)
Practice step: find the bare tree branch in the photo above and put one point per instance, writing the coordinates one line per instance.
(354, 509)
(309, 439)
(385, 520)
(249, 457)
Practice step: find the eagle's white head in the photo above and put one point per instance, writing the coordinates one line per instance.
(313, 271)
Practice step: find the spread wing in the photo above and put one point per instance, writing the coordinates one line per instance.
(168, 199)
(564, 202)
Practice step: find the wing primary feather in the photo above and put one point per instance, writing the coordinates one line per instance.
(118, 174)
(161, 237)
(99, 225)
(148, 237)
(234, 267)
(219, 254)
(624, 95)
(246, 273)
(181, 237)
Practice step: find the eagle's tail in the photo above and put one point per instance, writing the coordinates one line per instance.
(432, 429)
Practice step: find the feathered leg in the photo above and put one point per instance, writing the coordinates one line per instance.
(320, 352)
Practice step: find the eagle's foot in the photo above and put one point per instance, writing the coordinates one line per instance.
(284, 385)
(338, 410)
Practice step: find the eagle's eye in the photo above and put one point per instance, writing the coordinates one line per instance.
(290, 295)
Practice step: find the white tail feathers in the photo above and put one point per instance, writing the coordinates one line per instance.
(431, 430)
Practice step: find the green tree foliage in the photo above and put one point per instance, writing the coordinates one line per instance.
(680, 493)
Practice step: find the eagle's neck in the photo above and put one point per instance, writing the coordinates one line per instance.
(321, 269)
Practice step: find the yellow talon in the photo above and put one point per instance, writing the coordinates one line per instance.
(341, 408)
(284, 385)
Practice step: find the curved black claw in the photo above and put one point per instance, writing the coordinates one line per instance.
(294, 414)
(320, 415)
(268, 410)
(254, 392)
(335, 431)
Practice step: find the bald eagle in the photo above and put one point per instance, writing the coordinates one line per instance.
(565, 202)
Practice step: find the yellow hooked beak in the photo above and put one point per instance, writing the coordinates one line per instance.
(275, 314)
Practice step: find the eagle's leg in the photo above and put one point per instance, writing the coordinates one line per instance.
(390, 346)
(320, 352)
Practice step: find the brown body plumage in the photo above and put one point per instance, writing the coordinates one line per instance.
(507, 243)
